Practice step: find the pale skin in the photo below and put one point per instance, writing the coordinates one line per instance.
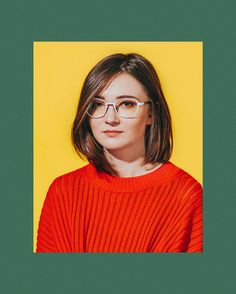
(125, 151)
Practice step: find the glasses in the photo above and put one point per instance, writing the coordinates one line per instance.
(124, 107)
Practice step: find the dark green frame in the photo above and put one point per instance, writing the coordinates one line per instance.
(23, 22)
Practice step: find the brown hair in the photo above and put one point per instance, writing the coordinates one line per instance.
(158, 135)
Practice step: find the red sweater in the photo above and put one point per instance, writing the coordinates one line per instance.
(87, 211)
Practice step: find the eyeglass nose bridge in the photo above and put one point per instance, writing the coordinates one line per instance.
(114, 107)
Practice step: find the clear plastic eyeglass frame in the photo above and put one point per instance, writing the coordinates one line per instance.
(107, 104)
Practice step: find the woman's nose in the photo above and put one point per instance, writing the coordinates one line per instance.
(111, 116)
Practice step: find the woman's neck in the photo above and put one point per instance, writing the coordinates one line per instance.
(131, 168)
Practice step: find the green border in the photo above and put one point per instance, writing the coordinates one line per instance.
(23, 22)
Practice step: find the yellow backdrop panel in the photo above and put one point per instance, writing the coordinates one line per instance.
(59, 71)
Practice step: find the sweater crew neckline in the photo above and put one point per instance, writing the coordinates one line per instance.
(131, 184)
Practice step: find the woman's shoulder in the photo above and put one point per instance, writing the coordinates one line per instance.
(183, 175)
(185, 183)
(174, 173)
(73, 176)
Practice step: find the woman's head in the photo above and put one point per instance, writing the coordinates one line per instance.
(149, 128)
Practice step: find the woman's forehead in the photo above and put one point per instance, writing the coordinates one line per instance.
(123, 85)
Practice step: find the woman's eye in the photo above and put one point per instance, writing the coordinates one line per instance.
(127, 103)
(97, 104)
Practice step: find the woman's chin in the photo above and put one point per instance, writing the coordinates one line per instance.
(113, 147)
(111, 143)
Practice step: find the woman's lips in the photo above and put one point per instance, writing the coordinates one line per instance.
(112, 133)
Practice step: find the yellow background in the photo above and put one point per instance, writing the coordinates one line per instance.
(59, 71)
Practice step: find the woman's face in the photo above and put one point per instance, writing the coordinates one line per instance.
(118, 134)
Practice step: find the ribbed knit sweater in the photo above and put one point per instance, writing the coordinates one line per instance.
(87, 211)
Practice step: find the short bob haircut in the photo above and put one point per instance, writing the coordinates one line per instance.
(158, 135)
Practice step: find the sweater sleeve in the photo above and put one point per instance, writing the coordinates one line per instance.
(54, 232)
(188, 232)
(45, 237)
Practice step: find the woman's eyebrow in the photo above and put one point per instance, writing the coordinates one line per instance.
(118, 97)
(127, 96)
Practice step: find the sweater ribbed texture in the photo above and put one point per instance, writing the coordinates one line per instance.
(87, 211)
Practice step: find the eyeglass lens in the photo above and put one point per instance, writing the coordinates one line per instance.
(125, 107)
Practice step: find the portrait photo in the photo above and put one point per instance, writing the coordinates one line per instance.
(118, 150)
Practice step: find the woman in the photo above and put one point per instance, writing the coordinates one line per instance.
(129, 198)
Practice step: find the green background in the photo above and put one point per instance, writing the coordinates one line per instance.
(21, 23)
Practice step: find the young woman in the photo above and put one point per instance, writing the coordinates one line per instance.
(129, 198)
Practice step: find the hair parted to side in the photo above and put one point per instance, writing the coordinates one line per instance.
(158, 135)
